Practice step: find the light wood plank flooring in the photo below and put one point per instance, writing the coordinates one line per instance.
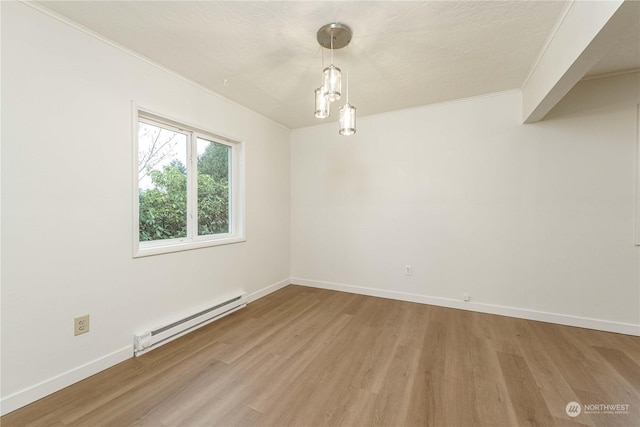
(304, 356)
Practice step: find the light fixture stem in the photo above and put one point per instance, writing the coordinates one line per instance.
(348, 69)
(321, 76)
(332, 46)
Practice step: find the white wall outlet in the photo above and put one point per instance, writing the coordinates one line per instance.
(81, 325)
(466, 296)
(408, 270)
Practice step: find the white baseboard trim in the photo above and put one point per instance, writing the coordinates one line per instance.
(38, 391)
(267, 290)
(520, 313)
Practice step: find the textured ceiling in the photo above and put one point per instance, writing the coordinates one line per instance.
(264, 55)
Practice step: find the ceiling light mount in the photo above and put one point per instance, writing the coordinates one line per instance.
(340, 33)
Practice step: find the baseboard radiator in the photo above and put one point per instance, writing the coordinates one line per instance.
(147, 341)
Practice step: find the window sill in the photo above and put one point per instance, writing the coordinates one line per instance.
(172, 246)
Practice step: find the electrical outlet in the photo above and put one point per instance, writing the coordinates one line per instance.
(408, 270)
(81, 325)
(466, 296)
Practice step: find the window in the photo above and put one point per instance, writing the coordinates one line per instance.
(188, 187)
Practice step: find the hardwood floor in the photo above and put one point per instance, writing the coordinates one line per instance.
(305, 356)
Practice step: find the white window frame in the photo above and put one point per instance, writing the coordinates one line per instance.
(236, 183)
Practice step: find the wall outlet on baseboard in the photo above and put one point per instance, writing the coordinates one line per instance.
(408, 270)
(81, 325)
(466, 296)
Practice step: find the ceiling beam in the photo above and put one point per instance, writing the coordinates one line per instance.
(579, 42)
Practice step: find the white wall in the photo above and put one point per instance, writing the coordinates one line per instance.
(67, 209)
(535, 220)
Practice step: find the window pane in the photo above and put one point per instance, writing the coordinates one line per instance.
(162, 182)
(213, 187)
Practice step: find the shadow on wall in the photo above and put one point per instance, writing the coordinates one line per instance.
(598, 94)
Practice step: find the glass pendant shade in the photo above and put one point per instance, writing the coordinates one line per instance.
(323, 106)
(347, 119)
(332, 82)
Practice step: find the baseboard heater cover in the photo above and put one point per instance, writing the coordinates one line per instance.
(160, 335)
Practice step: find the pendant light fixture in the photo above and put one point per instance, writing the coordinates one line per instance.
(332, 79)
(334, 36)
(347, 117)
(323, 106)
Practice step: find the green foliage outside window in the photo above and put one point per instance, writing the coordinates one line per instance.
(213, 190)
(163, 208)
